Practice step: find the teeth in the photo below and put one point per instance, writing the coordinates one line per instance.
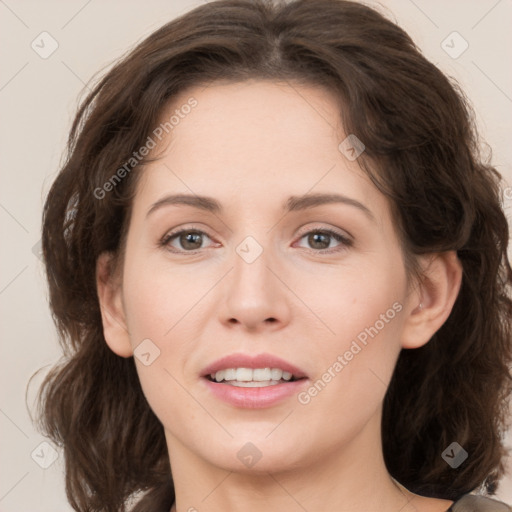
(253, 384)
(244, 374)
(248, 375)
(230, 374)
(261, 374)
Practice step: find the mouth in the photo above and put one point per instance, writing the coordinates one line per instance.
(252, 371)
(253, 382)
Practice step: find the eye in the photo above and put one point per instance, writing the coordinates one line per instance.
(322, 239)
(189, 240)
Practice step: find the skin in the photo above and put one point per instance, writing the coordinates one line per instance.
(250, 146)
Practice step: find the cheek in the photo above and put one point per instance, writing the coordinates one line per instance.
(362, 313)
(351, 298)
(353, 375)
(157, 304)
(155, 307)
(156, 298)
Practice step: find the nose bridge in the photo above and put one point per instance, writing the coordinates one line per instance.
(254, 295)
(250, 280)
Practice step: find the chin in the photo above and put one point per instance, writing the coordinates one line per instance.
(256, 455)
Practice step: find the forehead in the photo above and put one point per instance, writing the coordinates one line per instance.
(256, 115)
(255, 139)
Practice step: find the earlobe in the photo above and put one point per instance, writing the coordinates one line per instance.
(435, 297)
(108, 288)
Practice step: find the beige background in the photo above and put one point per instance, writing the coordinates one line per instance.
(38, 98)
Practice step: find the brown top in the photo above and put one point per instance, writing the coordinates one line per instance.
(472, 503)
(468, 503)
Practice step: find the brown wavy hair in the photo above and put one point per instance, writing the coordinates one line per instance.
(422, 152)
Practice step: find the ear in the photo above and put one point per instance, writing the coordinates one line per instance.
(108, 286)
(433, 299)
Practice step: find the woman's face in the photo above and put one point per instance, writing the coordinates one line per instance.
(293, 255)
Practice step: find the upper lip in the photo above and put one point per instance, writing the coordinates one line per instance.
(252, 361)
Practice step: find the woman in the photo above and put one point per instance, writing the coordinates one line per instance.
(278, 266)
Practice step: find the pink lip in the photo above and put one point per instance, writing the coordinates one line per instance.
(247, 361)
(254, 398)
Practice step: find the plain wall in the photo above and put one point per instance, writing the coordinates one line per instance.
(38, 98)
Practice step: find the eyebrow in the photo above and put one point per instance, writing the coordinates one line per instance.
(293, 204)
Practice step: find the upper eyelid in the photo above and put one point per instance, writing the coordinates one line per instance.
(172, 233)
(337, 231)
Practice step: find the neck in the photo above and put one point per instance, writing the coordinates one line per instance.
(351, 477)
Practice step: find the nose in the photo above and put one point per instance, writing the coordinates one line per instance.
(254, 297)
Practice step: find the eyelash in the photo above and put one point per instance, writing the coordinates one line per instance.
(344, 241)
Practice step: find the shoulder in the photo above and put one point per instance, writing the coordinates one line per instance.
(472, 503)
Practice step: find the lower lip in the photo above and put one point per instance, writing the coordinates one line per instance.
(255, 398)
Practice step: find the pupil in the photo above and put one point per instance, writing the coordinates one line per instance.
(316, 238)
